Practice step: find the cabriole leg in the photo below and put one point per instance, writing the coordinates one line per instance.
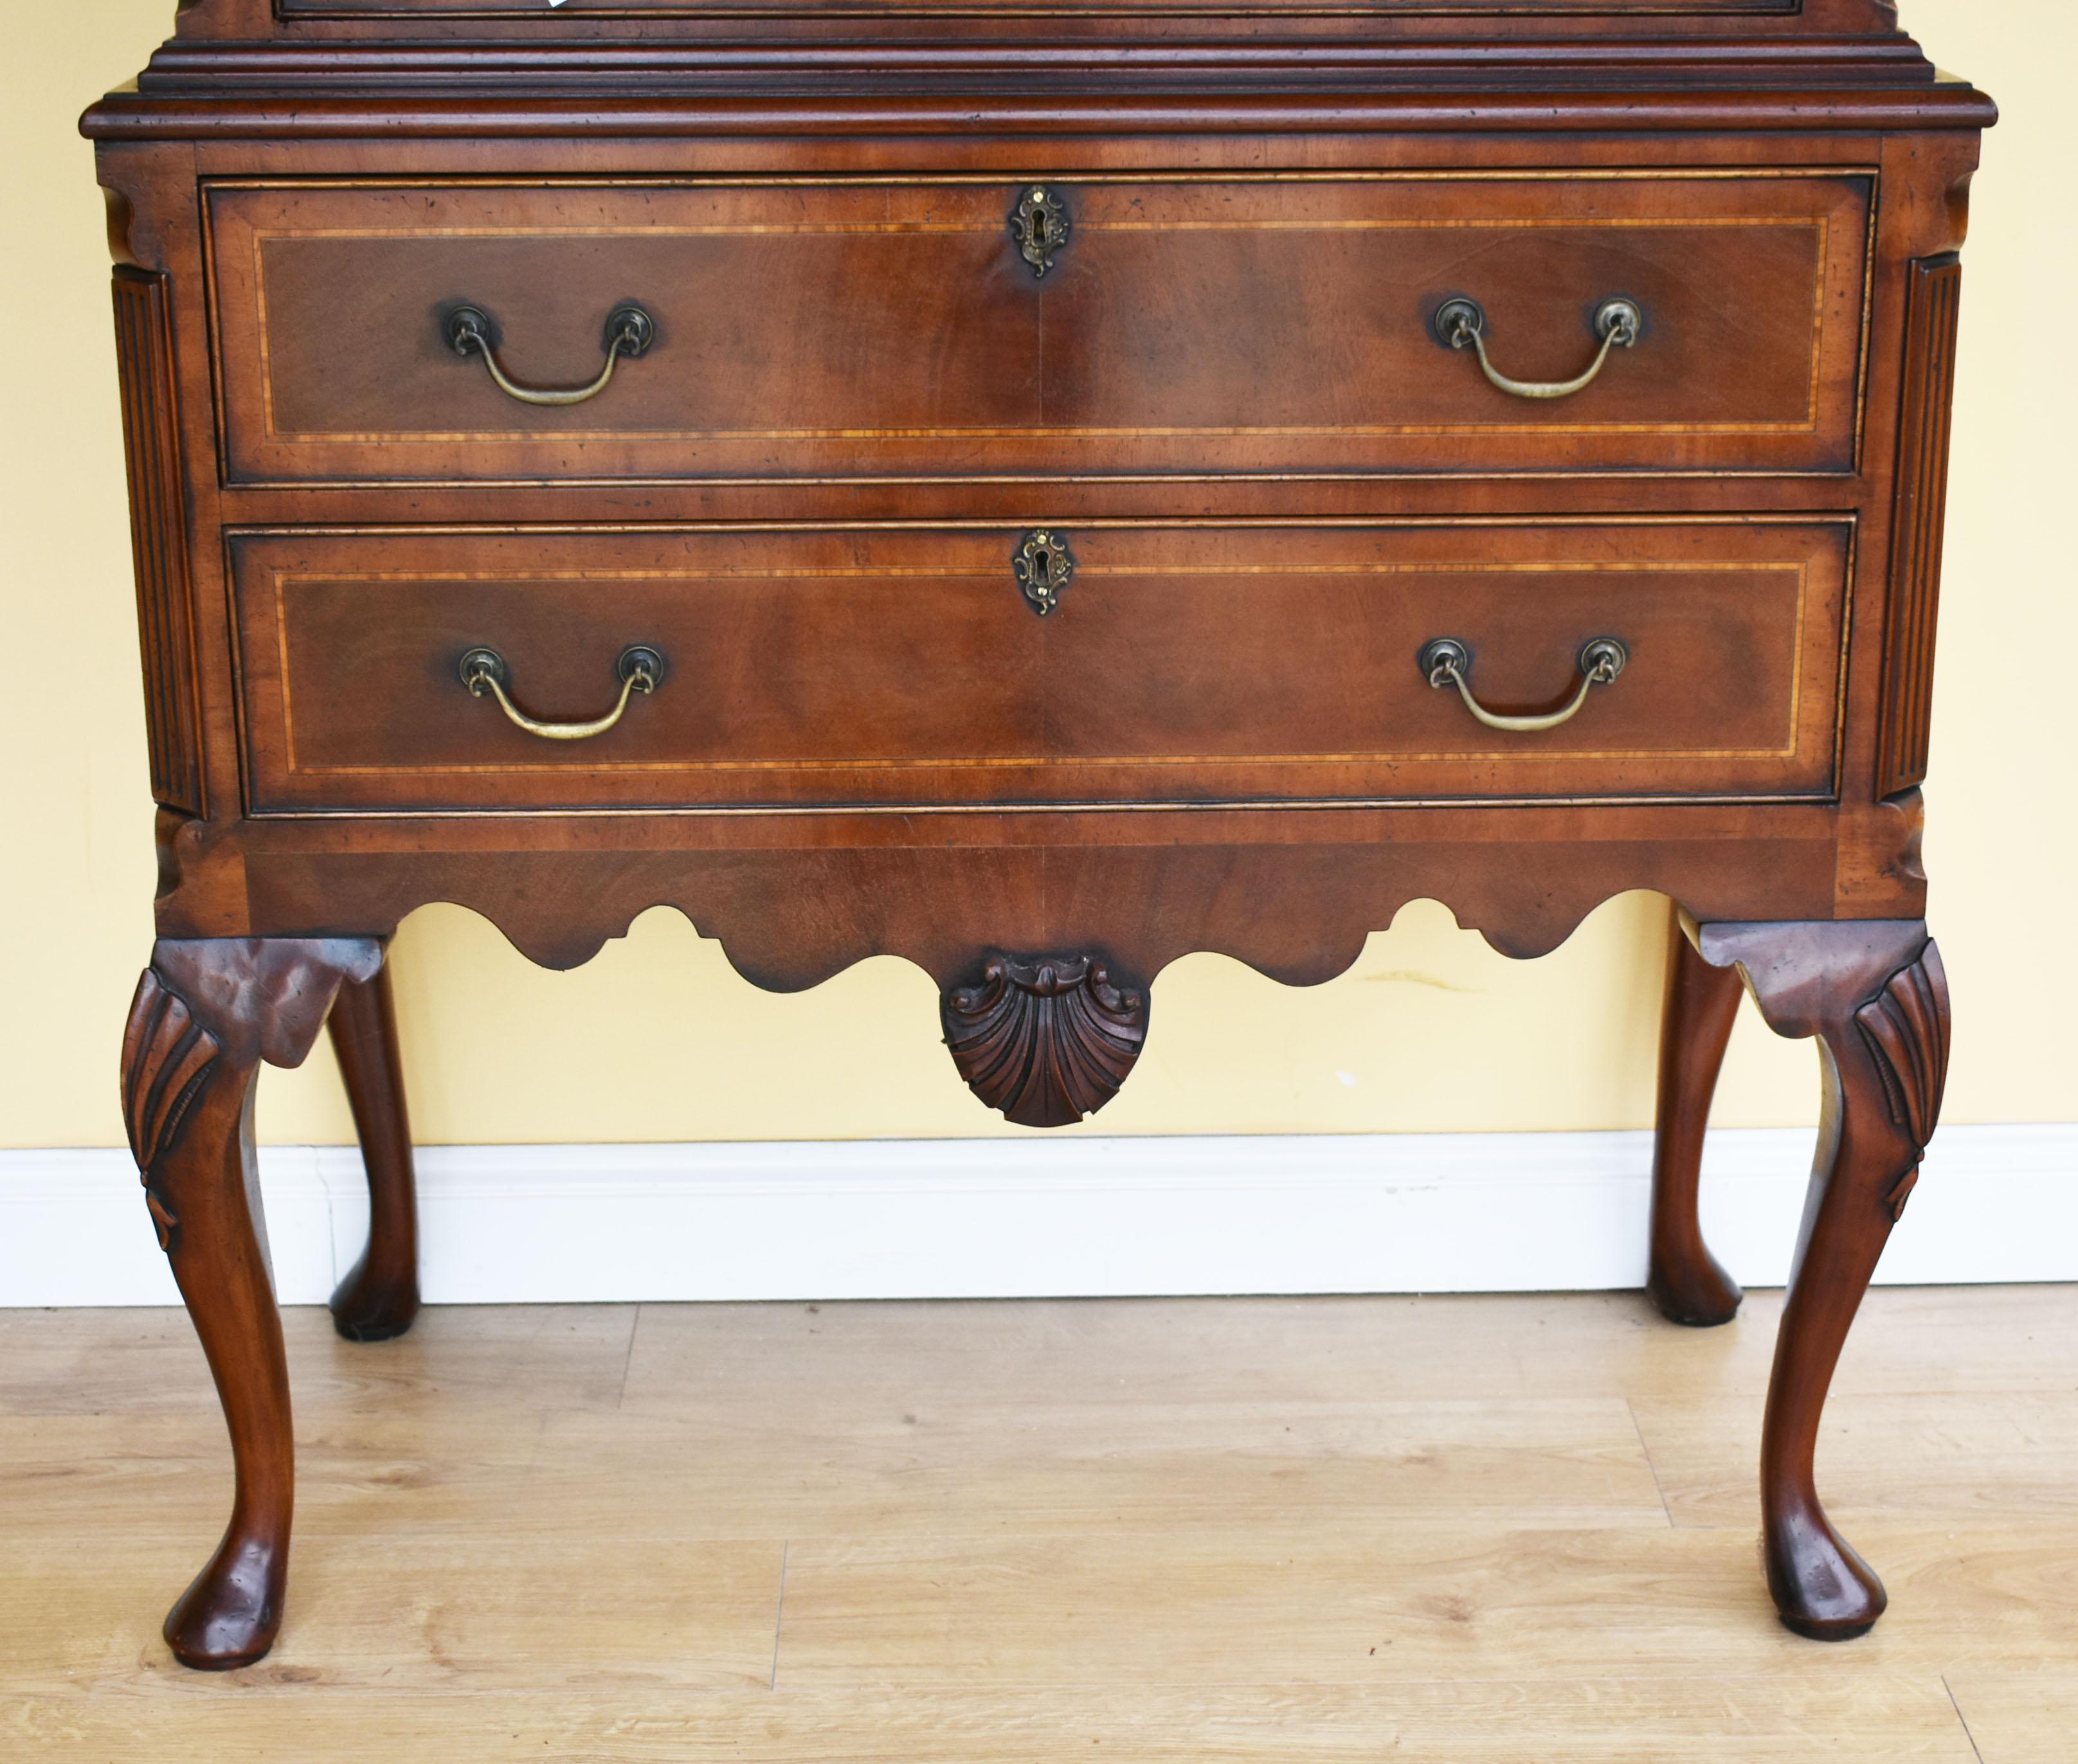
(1702, 1004)
(379, 1299)
(1874, 997)
(205, 1014)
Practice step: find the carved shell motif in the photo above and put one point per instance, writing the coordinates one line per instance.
(1905, 1027)
(167, 1059)
(1047, 1042)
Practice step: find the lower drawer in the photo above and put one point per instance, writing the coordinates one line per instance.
(824, 667)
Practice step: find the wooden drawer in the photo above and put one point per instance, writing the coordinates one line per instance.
(537, 10)
(814, 667)
(870, 328)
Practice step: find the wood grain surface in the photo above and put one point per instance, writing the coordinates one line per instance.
(1466, 1529)
(876, 328)
(1182, 665)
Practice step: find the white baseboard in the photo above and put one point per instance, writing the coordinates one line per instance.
(995, 1218)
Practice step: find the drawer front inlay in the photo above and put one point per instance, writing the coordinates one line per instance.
(810, 668)
(826, 10)
(1275, 325)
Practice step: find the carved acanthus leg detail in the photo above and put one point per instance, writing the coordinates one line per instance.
(379, 1297)
(1906, 1029)
(205, 1014)
(1047, 1041)
(167, 1059)
(1702, 1003)
(1874, 996)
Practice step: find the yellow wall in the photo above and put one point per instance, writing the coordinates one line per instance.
(658, 1040)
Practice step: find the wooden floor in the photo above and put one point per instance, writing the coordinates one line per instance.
(1515, 1529)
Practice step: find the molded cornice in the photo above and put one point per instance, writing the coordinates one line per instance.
(853, 104)
(437, 67)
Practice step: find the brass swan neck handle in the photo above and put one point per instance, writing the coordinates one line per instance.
(1461, 323)
(1448, 661)
(640, 669)
(629, 331)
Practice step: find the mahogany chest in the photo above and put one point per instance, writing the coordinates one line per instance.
(1039, 490)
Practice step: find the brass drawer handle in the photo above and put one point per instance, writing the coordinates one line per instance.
(1461, 324)
(640, 669)
(629, 331)
(1448, 661)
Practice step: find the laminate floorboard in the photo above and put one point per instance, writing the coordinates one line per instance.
(1513, 1529)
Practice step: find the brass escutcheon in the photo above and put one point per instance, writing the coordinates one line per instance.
(1043, 565)
(1039, 223)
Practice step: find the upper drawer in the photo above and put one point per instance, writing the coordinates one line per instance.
(864, 328)
(1117, 9)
